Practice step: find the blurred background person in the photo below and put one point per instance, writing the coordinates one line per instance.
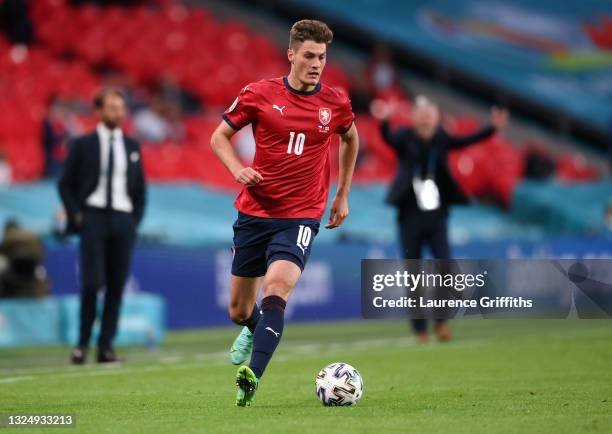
(22, 271)
(361, 94)
(59, 125)
(103, 191)
(159, 122)
(608, 217)
(15, 22)
(173, 94)
(382, 76)
(424, 189)
(150, 124)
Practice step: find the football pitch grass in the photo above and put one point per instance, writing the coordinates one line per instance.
(495, 376)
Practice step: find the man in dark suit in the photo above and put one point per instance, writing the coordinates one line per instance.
(103, 191)
(423, 188)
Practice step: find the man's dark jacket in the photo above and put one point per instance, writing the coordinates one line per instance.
(410, 148)
(82, 172)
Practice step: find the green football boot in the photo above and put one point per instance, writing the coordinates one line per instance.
(242, 347)
(247, 386)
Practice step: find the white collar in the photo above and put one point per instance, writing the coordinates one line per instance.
(105, 132)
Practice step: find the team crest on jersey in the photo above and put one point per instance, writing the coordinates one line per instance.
(324, 115)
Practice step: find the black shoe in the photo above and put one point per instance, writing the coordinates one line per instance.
(78, 355)
(107, 356)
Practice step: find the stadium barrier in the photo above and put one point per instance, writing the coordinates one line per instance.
(562, 208)
(55, 320)
(193, 215)
(194, 281)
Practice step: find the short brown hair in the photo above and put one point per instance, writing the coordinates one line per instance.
(310, 30)
(105, 92)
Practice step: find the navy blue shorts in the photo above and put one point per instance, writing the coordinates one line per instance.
(260, 241)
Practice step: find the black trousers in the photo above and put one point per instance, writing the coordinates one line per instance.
(107, 241)
(417, 230)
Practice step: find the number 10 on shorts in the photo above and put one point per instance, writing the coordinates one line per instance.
(303, 238)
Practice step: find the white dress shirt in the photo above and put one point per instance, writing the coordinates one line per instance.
(120, 199)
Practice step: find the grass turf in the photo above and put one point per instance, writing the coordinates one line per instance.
(495, 376)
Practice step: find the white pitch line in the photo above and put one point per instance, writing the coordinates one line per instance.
(290, 352)
(173, 357)
(97, 370)
(15, 379)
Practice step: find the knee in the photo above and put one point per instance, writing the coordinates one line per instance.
(278, 287)
(238, 314)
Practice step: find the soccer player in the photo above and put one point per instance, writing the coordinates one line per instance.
(285, 191)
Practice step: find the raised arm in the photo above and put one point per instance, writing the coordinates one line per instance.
(499, 120)
(349, 147)
(457, 142)
(223, 149)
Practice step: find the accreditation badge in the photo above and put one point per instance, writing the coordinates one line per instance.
(427, 194)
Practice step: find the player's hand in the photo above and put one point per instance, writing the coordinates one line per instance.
(499, 118)
(248, 176)
(338, 213)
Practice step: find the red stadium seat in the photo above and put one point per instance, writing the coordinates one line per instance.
(188, 43)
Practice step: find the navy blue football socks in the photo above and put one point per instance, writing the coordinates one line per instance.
(252, 321)
(267, 333)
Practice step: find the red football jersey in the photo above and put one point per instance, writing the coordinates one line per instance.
(293, 131)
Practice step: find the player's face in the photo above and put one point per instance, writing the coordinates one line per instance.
(307, 62)
(425, 120)
(112, 112)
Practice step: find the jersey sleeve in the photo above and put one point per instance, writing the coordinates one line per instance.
(346, 117)
(243, 110)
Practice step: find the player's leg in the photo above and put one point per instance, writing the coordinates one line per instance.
(411, 241)
(248, 267)
(280, 279)
(440, 249)
(287, 254)
(243, 299)
(278, 283)
(243, 310)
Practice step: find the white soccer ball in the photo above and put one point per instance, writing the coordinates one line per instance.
(339, 384)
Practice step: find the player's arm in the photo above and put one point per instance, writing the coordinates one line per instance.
(223, 149)
(349, 146)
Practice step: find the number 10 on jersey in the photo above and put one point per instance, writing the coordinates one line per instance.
(299, 143)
